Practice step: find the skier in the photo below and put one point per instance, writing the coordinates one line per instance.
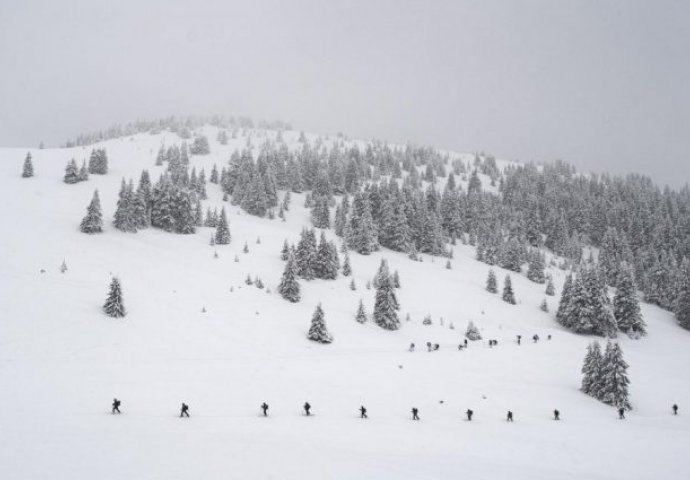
(307, 407)
(621, 413)
(363, 412)
(519, 339)
(185, 410)
(675, 409)
(549, 337)
(411, 349)
(465, 343)
(414, 413)
(264, 407)
(428, 346)
(436, 346)
(556, 415)
(510, 416)
(469, 414)
(116, 406)
(535, 338)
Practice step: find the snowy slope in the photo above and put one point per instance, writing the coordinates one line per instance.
(62, 361)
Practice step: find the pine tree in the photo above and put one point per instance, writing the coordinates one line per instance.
(347, 268)
(71, 172)
(550, 288)
(83, 174)
(114, 304)
(386, 303)
(93, 221)
(535, 270)
(361, 316)
(472, 332)
(508, 295)
(123, 213)
(682, 307)
(222, 236)
(305, 254)
(563, 312)
(353, 286)
(289, 286)
(361, 231)
(318, 331)
(491, 283)
(626, 307)
(591, 370)
(320, 213)
(28, 170)
(544, 307)
(285, 252)
(614, 378)
(326, 261)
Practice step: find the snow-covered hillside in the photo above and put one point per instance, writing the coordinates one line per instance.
(62, 360)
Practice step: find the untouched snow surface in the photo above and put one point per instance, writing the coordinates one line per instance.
(62, 360)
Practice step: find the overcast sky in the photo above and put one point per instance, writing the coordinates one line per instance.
(602, 84)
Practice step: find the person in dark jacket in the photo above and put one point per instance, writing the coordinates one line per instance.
(264, 408)
(675, 409)
(116, 406)
(469, 414)
(363, 412)
(519, 339)
(415, 412)
(184, 411)
(510, 416)
(556, 415)
(621, 413)
(307, 409)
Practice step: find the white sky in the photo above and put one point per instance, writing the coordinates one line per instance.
(602, 84)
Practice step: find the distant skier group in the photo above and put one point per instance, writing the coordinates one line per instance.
(469, 413)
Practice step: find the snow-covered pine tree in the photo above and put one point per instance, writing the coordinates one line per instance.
(28, 169)
(123, 213)
(626, 306)
(682, 306)
(396, 279)
(535, 270)
(472, 332)
(318, 331)
(83, 174)
(93, 221)
(214, 178)
(305, 254)
(361, 316)
(325, 265)
(550, 288)
(98, 161)
(222, 236)
(162, 204)
(184, 211)
(254, 200)
(563, 312)
(353, 286)
(591, 370)
(347, 268)
(386, 303)
(289, 286)
(320, 213)
(544, 307)
(200, 146)
(114, 303)
(491, 283)
(508, 294)
(71, 172)
(614, 378)
(361, 231)
(285, 252)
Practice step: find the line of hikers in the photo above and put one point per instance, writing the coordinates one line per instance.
(184, 411)
(432, 347)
